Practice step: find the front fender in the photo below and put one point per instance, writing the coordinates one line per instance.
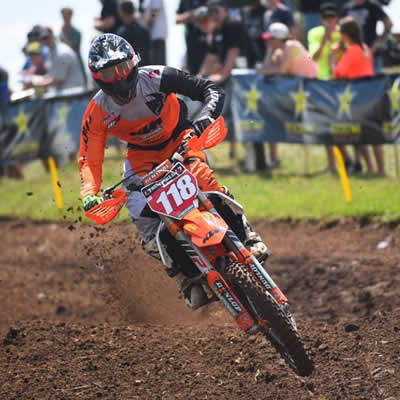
(205, 228)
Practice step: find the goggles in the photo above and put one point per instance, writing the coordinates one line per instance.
(118, 71)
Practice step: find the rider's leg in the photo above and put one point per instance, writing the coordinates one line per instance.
(147, 224)
(196, 163)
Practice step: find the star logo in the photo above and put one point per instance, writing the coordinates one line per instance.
(252, 98)
(63, 113)
(22, 121)
(300, 100)
(345, 100)
(394, 95)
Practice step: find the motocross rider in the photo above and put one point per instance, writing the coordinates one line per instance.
(139, 105)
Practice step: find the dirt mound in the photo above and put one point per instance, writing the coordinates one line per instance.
(85, 314)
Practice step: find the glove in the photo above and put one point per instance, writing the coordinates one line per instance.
(201, 124)
(90, 201)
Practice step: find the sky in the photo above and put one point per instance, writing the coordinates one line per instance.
(17, 19)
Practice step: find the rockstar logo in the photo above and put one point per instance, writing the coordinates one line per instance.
(22, 120)
(300, 99)
(252, 98)
(63, 114)
(345, 100)
(394, 94)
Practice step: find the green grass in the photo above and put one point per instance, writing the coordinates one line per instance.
(286, 193)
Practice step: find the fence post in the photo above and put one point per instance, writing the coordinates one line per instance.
(56, 183)
(396, 160)
(343, 174)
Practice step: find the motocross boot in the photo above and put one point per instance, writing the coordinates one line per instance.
(254, 242)
(151, 248)
(193, 293)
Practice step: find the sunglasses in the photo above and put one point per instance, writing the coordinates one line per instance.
(118, 71)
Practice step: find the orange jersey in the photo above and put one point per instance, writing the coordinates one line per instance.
(152, 121)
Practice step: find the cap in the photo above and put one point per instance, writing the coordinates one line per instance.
(34, 33)
(45, 33)
(276, 30)
(329, 10)
(34, 48)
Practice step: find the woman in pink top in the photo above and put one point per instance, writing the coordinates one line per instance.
(356, 62)
(286, 56)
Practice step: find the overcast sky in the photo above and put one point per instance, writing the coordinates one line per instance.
(16, 19)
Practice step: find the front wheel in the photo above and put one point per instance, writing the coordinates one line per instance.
(280, 328)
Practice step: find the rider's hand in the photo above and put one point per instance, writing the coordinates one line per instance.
(90, 201)
(201, 124)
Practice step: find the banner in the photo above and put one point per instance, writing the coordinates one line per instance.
(301, 110)
(274, 109)
(39, 128)
(24, 131)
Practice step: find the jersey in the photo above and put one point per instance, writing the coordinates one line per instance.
(151, 121)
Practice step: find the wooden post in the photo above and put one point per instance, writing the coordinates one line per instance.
(396, 160)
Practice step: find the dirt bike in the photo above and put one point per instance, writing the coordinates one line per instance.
(200, 231)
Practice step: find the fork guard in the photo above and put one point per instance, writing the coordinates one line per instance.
(204, 228)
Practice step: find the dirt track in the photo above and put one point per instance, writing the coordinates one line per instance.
(81, 318)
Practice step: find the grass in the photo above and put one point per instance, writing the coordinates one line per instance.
(286, 193)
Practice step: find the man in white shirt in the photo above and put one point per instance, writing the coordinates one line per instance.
(64, 68)
(155, 19)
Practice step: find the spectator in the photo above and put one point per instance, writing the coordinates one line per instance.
(64, 70)
(321, 39)
(155, 19)
(8, 166)
(356, 62)
(38, 65)
(109, 20)
(133, 32)
(196, 41)
(4, 95)
(228, 40)
(254, 21)
(71, 36)
(278, 12)
(33, 36)
(368, 13)
(285, 57)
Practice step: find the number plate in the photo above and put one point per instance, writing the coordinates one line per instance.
(175, 194)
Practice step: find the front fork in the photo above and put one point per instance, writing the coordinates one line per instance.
(232, 243)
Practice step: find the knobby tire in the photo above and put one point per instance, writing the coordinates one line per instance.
(279, 320)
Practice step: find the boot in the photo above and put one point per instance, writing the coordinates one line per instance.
(254, 242)
(193, 293)
(151, 248)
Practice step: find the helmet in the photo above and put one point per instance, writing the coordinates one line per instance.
(114, 66)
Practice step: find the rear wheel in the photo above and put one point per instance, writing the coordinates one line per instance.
(280, 327)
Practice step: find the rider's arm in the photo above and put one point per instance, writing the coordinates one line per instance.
(91, 152)
(210, 94)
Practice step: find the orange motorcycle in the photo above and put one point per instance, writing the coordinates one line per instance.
(199, 230)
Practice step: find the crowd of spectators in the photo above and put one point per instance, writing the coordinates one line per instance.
(288, 37)
(311, 38)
